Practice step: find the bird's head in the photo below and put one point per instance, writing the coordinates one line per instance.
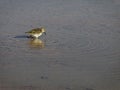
(43, 30)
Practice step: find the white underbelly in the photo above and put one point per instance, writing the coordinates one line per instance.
(36, 35)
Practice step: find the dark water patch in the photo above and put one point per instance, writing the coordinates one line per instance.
(44, 77)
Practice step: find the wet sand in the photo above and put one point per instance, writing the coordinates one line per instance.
(81, 50)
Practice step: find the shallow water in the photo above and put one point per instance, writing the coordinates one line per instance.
(81, 50)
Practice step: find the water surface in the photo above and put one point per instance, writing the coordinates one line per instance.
(81, 50)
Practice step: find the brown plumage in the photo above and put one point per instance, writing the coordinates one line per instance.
(36, 32)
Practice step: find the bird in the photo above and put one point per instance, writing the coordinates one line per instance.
(36, 32)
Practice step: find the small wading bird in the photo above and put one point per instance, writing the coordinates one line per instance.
(35, 33)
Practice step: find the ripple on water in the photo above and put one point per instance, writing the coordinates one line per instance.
(93, 43)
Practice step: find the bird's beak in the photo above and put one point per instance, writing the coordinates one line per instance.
(45, 33)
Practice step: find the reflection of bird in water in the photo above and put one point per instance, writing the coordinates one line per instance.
(37, 43)
(35, 33)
